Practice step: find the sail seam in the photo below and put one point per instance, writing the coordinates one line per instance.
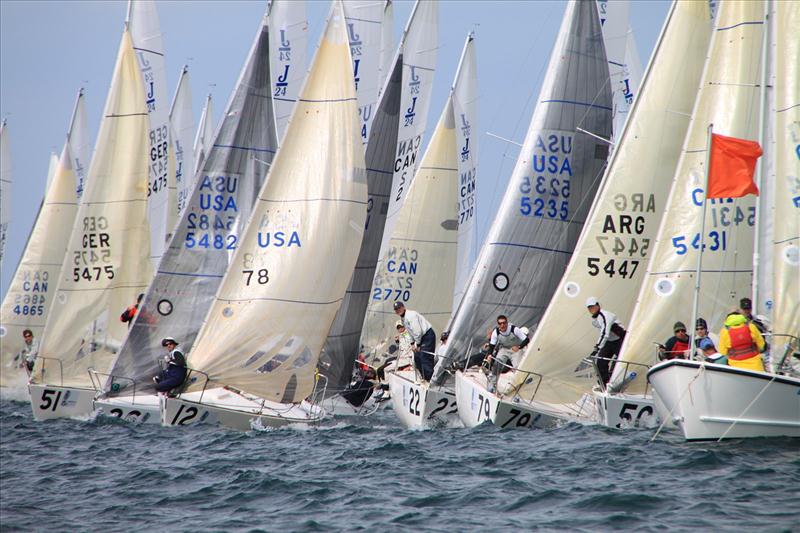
(314, 200)
(127, 115)
(193, 274)
(756, 22)
(573, 102)
(244, 148)
(334, 100)
(529, 246)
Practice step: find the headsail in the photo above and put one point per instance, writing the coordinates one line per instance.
(208, 231)
(729, 98)
(107, 260)
(610, 258)
(32, 291)
(550, 190)
(204, 137)
(147, 41)
(264, 332)
(5, 185)
(288, 42)
(181, 124)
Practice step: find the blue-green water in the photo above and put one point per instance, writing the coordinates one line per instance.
(371, 474)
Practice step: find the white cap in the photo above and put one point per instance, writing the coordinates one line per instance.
(591, 300)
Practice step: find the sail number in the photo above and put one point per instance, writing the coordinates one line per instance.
(159, 149)
(552, 206)
(716, 240)
(261, 276)
(625, 268)
(95, 248)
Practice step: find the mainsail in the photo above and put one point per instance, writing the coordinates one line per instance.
(729, 97)
(79, 145)
(264, 332)
(5, 185)
(288, 42)
(205, 135)
(106, 264)
(419, 268)
(610, 258)
(336, 361)
(181, 124)
(209, 229)
(30, 296)
(550, 191)
(147, 41)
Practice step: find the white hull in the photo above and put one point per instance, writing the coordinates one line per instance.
(337, 406)
(142, 409)
(418, 406)
(708, 401)
(625, 411)
(48, 401)
(231, 410)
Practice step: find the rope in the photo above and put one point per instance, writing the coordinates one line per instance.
(669, 415)
(747, 408)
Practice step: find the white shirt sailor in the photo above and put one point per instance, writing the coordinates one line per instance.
(416, 325)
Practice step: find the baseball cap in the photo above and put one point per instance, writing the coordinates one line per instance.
(746, 303)
(701, 323)
(591, 300)
(706, 344)
(398, 305)
(167, 340)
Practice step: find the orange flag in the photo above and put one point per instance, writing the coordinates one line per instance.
(731, 167)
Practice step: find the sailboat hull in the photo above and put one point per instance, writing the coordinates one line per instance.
(476, 404)
(48, 402)
(708, 401)
(142, 409)
(624, 411)
(418, 406)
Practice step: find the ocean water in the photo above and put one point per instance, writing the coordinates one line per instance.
(371, 474)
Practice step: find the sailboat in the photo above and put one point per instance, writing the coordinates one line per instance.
(388, 149)
(30, 296)
(181, 127)
(255, 358)
(107, 260)
(205, 239)
(5, 185)
(425, 251)
(205, 135)
(547, 200)
(706, 400)
(143, 24)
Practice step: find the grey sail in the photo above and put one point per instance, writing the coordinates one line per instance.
(341, 346)
(209, 229)
(550, 191)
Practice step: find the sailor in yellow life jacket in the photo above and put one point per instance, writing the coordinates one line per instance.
(741, 341)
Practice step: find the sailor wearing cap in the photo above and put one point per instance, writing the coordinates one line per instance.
(423, 337)
(610, 340)
(677, 346)
(175, 372)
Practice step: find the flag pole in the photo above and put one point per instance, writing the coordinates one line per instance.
(696, 301)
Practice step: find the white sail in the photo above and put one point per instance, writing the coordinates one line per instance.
(364, 22)
(205, 135)
(465, 110)
(786, 234)
(387, 44)
(264, 332)
(729, 97)
(288, 42)
(51, 170)
(610, 258)
(106, 264)
(149, 45)
(5, 185)
(418, 53)
(79, 145)
(181, 120)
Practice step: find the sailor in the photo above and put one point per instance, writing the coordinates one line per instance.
(440, 352)
(505, 343)
(677, 346)
(175, 372)
(746, 310)
(405, 346)
(30, 350)
(701, 332)
(130, 313)
(710, 352)
(608, 344)
(742, 342)
(423, 337)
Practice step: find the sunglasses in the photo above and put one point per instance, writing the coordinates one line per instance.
(680, 331)
(502, 323)
(698, 328)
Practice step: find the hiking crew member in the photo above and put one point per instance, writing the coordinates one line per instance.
(505, 343)
(677, 346)
(610, 341)
(175, 372)
(29, 351)
(405, 346)
(423, 337)
(741, 341)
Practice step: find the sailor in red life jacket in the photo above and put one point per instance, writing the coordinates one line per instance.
(130, 313)
(677, 346)
(741, 341)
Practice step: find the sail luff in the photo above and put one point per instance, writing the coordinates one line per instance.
(387, 44)
(205, 135)
(78, 139)
(181, 120)
(288, 43)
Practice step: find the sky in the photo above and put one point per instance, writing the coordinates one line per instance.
(48, 50)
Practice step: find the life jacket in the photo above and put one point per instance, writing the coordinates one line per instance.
(508, 340)
(678, 349)
(742, 345)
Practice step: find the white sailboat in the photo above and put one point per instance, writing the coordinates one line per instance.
(204, 138)
(107, 260)
(143, 24)
(32, 290)
(710, 401)
(553, 184)
(420, 268)
(5, 185)
(255, 358)
(181, 128)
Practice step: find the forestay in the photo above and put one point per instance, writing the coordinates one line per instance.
(32, 290)
(275, 306)
(208, 231)
(204, 138)
(729, 97)
(610, 258)
(364, 19)
(106, 263)
(418, 53)
(181, 123)
(550, 190)
(5, 185)
(147, 41)
(288, 43)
